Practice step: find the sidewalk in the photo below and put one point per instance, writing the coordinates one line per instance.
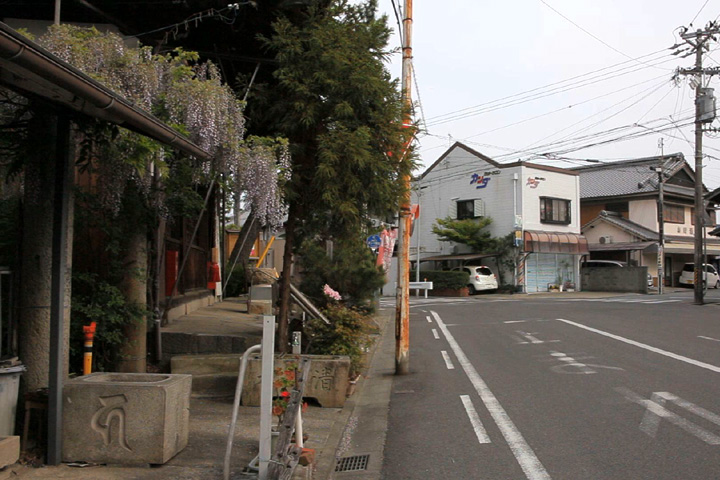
(210, 418)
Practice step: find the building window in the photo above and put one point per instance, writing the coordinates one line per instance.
(674, 213)
(554, 210)
(465, 209)
(619, 207)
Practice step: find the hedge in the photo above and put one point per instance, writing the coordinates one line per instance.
(443, 279)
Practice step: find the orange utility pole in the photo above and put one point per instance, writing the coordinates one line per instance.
(402, 296)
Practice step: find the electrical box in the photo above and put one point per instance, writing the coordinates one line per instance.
(706, 103)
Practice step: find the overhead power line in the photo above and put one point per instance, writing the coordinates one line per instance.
(489, 107)
(589, 33)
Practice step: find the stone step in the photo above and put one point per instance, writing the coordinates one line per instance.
(216, 376)
(180, 343)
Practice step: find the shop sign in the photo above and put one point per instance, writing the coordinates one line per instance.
(534, 182)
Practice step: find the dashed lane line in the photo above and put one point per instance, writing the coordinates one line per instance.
(526, 458)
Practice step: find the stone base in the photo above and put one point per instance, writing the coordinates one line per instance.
(327, 384)
(260, 307)
(125, 418)
(9, 450)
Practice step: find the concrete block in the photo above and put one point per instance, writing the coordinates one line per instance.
(125, 418)
(327, 384)
(9, 450)
(261, 292)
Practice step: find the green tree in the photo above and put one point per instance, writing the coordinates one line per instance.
(333, 99)
(471, 232)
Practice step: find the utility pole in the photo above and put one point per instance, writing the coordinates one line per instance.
(402, 295)
(698, 41)
(661, 220)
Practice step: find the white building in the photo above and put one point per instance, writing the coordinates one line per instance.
(540, 204)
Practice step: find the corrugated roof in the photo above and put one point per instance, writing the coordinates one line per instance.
(625, 177)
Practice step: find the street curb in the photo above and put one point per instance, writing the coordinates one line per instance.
(325, 465)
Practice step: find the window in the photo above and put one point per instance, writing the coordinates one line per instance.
(674, 213)
(554, 210)
(619, 207)
(465, 209)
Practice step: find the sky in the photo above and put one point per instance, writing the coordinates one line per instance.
(514, 79)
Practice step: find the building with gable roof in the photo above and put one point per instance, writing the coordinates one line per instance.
(619, 213)
(540, 204)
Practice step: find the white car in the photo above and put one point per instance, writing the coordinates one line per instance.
(481, 278)
(710, 276)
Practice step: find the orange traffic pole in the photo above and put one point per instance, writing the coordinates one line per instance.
(89, 332)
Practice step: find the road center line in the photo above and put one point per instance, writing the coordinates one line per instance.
(477, 425)
(448, 362)
(435, 334)
(672, 355)
(524, 455)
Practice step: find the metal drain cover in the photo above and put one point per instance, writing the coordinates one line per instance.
(352, 464)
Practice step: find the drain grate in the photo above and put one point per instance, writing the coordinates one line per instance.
(352, 464)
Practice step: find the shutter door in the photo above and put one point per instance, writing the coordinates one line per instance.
(540, 269)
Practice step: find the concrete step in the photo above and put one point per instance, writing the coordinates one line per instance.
(214, 375)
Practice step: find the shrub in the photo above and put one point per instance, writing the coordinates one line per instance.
(443, 279)
(238, 283)
(347, 334)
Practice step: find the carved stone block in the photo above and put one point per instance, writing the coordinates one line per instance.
(125, 418)
(9, 450)
(328, 381)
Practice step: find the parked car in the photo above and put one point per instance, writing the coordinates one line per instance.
(710, 276)
(609, 264)
(481, 278)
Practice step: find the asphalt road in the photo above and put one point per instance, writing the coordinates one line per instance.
(542, 388)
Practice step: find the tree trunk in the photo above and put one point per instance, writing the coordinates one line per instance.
(284, 311)
(36, 256)
(133, 354)
(240, 251)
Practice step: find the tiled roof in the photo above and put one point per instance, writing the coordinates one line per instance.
(623, 223)
(625, 177)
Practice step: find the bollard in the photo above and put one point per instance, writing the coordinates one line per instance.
(89, 332)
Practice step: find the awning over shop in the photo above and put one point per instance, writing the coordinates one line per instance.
(625, 246)
(459, 257)
(555, 242)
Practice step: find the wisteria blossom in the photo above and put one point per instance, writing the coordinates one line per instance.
(330, 293)
(193, 98)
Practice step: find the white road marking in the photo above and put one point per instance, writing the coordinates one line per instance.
(655, 411)
(515, 321)
(448, 362)
(435, 334)
(531, 338)
(697, 363)
(429, 319)
(661, 301)
(571, 365)
(524, 455)
(709, 338)
(477, 425)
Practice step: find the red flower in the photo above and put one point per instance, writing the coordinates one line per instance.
(284, 393)
(278, 410)
(290, 374)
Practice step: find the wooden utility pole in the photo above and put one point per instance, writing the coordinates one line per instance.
(402, 295)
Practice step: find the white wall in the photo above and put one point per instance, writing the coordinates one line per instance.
(549, 184)
(451, 179)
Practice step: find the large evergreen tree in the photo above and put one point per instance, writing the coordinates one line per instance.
(333, 98)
